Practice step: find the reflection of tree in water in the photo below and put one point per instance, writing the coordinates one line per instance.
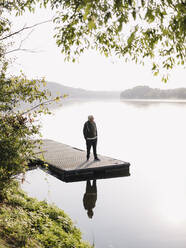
(90, 197)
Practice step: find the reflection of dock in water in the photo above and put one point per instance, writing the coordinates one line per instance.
(69, 164)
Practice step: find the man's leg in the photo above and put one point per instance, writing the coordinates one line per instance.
(88, 143)
(94, 186)
(94, 144)
(88, 186)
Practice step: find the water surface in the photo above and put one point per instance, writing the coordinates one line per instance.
(147, 209)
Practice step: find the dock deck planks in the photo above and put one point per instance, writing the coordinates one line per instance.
(69, 163)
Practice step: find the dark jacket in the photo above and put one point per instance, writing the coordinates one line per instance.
(90, 129)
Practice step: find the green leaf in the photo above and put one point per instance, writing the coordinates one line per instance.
(131, 38)
(154, 67)
(130, 2)
(134, 14)
(143, 3)
(87, 11)
(91, 25)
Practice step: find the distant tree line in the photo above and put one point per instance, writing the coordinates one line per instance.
(145, 92)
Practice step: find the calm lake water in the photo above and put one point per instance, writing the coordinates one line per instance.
(146, 209)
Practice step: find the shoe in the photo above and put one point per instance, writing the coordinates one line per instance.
(96, 159)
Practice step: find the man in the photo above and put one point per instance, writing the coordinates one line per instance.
(90, 134)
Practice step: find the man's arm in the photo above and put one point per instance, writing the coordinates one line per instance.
(96, 130)
(85, 131)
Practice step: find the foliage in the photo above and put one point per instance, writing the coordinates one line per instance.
(17, 126)
(25, 222)
(135, 30)
(18, 95)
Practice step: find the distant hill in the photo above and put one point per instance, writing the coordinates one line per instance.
(74, 94)
(145, 92)
(78, 93)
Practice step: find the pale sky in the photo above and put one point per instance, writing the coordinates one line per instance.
(93, 71)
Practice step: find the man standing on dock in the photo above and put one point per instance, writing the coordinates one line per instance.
(90, 134)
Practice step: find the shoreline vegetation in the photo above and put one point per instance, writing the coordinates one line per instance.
(147, 93)
(27, 222)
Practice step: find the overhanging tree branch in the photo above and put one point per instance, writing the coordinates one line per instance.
(23, 29)
(40, 104)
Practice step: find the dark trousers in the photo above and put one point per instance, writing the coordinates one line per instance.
(91, 143)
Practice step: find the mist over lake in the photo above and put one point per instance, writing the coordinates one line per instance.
(146, 209)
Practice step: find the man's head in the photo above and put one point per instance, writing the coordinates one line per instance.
(91, 118)
(90, 213)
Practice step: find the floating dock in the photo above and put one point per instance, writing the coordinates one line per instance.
(69, 164)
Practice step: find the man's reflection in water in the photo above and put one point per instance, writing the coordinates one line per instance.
(90, 197)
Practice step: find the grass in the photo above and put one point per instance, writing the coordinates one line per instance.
(26, 222)
(3, 244)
